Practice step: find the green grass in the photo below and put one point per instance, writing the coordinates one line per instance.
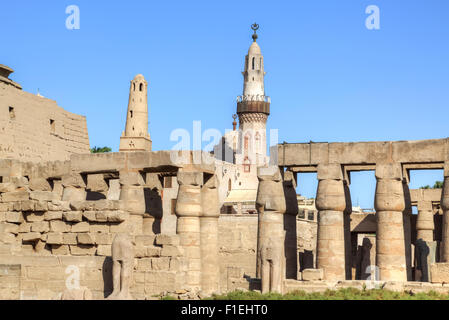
(342, 294)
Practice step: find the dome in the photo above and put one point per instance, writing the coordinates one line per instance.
(254, 49)
(139, 77)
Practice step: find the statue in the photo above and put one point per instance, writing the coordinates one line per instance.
(123, 261)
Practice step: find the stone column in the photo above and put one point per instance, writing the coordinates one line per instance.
(425, 224)
(425, 247)
(389, 204)
(347, 230)
(271, 207)
(407, 229)
(291, 241)
(445, 207)
(188, 211)
(210, 269)
(331, 204)
(132, 200)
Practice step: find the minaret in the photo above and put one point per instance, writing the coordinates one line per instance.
(136, 136)
(253, 109)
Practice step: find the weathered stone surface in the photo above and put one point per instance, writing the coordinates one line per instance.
(312, 274)
(83, 250)
(70, 238)
(86, 238)
(439, 272)
(40, 226)
(53, 215)
(81, 227)
(39, 184)
(164, 239)
(34, 216)
(60, 226)
(55, 238)
(43, 196)
(32, 236)
(15, 196)
(57, 205)
(170, 251)
(73, 216)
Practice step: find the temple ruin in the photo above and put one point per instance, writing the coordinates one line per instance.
(137, 224)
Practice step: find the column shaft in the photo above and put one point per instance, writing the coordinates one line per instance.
(331, 203)
(390, 204)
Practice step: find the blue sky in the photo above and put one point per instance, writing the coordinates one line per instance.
(329, 77)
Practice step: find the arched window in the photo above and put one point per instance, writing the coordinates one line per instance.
(229, 185)
(258, 144)
(254, 62)
(131, 113)
(247, 165)
(141, 87)
(246, 144)
(134, 87)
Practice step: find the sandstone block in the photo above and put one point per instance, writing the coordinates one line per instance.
(70, 238)
(57, 205)
(73, 194)
(117, 216)
(144, 264)
(53, 215)
(96, 183)
(86, 238)
(90, 215)
(312, 274)
(39, 184)
(9, 228)
(131, 178)
(164, 239)
(170, 251)
(60, 250)
(24, 227)
(41, 206)
(43, 196)
(4, 207)
(83, 250)
(101, 216)
(104, 250)
(153, 251)
(15, 196)
(140, 252)
(389, 171)
(8, 238)
(99, 227)
(81, 227)
(162, 263)
(32, 236)
(329, 172)
(103, 238)
(439, 272)
(7, 187)
(2, 216)
(14, 217)
(55, 238)
(28, 205)
(73, 180)
(73, 216)
(144, 241)
(34, 216)
(40, 226)
(60, 226)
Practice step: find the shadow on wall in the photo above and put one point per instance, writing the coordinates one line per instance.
(107, 276)
(153, 207)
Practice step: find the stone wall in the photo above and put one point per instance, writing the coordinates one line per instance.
(52, 234)
(34, 128)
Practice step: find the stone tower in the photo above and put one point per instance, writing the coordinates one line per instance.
(136, 136)
(253, 109)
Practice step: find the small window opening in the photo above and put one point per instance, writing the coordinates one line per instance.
(173, 206)
(52, 125)
(141, 87)
(168, 182)
(12, 114)
(254, 62)
(131, 113)
(134, 87)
